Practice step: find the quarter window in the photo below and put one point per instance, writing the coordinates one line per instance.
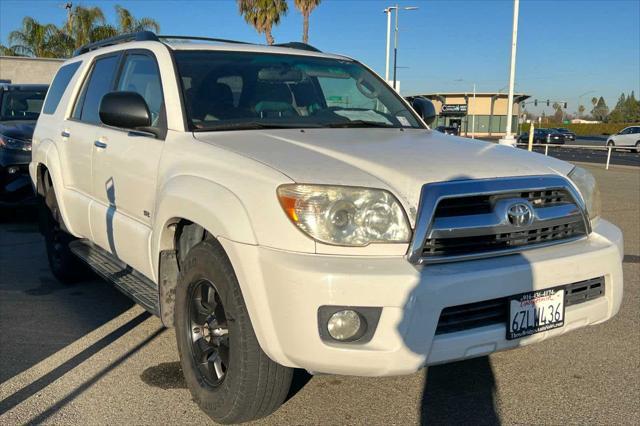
(99, 84)
(58, 86)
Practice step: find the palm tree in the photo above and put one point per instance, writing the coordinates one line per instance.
(306, 7)
(581, 109)
(127, 23)
(7, 51)
(33, 39)
(594, 101)
(263, 14)
(85, 25)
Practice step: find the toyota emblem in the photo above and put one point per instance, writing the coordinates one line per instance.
(519, 215)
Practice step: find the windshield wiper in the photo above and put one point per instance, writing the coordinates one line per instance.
(361, 123)
(253, 125)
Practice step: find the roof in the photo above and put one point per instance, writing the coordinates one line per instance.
(256, 48)
(21, 86)
(470, 93)
(203, 43)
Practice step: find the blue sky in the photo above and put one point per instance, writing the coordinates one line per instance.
(566, 48)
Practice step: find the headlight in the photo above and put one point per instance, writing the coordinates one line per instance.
(345, 216)
(16, 144)
(588, 187)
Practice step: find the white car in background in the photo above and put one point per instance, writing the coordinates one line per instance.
(627, 137)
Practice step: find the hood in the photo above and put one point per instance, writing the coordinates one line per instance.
(398, 160)
(22, 130)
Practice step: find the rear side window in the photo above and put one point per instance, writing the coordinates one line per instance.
(59, 85)
(100, 83)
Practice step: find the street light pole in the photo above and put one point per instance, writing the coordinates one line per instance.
(386, 67)
(395, 41)
(508, 139)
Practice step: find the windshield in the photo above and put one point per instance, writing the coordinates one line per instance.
(239, 90)
(21, 104)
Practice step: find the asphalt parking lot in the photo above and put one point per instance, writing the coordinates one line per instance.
(86, 355)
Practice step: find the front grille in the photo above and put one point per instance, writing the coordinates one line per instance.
(495, 311)
(479, 204)
(495, 242)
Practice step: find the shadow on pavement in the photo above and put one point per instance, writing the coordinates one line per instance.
(44, 381)
(39, 315)
(460, 393)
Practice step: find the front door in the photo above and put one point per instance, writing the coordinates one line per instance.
(125, 165)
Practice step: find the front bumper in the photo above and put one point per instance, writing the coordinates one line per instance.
(284, 290)
(15, 182)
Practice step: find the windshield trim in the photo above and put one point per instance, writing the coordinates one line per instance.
(190, 127)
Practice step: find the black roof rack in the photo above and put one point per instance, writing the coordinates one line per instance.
(298, 45)
(179, 37)
(139, 36)
(150, 36)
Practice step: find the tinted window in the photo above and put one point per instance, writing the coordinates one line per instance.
(240, 90)
(21, 104)
(140, 74)
(58, 87)
(99, 84)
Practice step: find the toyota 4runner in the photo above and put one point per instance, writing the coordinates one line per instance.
(285, 208)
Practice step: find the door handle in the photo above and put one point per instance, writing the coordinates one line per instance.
(65, 134)
(100, 144)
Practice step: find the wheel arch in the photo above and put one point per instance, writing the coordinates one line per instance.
(183, 220)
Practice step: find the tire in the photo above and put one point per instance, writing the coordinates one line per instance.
(610, 144)
(237, 381)
(638, 147)
(64, 265)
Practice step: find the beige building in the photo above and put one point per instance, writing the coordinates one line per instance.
(20, 70)
(458, 109)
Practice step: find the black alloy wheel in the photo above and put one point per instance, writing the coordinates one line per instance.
(209, 333)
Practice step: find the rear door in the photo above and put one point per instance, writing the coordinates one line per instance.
(125, 164)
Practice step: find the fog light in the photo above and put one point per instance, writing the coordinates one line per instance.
(344, 325)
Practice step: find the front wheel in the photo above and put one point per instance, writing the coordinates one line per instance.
(228, 374)
(638, 147)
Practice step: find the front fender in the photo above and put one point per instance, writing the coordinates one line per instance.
(209, 204)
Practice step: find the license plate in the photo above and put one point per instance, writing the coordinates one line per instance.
(534, 312)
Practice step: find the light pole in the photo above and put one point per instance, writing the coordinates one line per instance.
(473, 116)
(508, 138)
(387, 11)
(395, 40)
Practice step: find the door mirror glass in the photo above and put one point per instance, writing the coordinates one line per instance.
(425, 109)
(127, 110)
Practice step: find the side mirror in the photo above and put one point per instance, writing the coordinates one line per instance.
(127, 110)
(425, 109)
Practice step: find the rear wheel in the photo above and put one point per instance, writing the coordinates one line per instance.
(64, 265)
(228, 374)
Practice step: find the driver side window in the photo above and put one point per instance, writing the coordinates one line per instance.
(140, 74)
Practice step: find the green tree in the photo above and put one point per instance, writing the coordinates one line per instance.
(7, 51)
(263, 15)
(33, 39)
(558, 114)
(306, 7)
(87, 24)
(632, 109)
(600, 111)
(619, 111)
(127, 23)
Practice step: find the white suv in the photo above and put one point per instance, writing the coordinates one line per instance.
(628, 137)
(284, 208)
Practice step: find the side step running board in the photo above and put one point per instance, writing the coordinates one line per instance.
(131, 282)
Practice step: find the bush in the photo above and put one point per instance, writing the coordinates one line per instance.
(586, 129)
